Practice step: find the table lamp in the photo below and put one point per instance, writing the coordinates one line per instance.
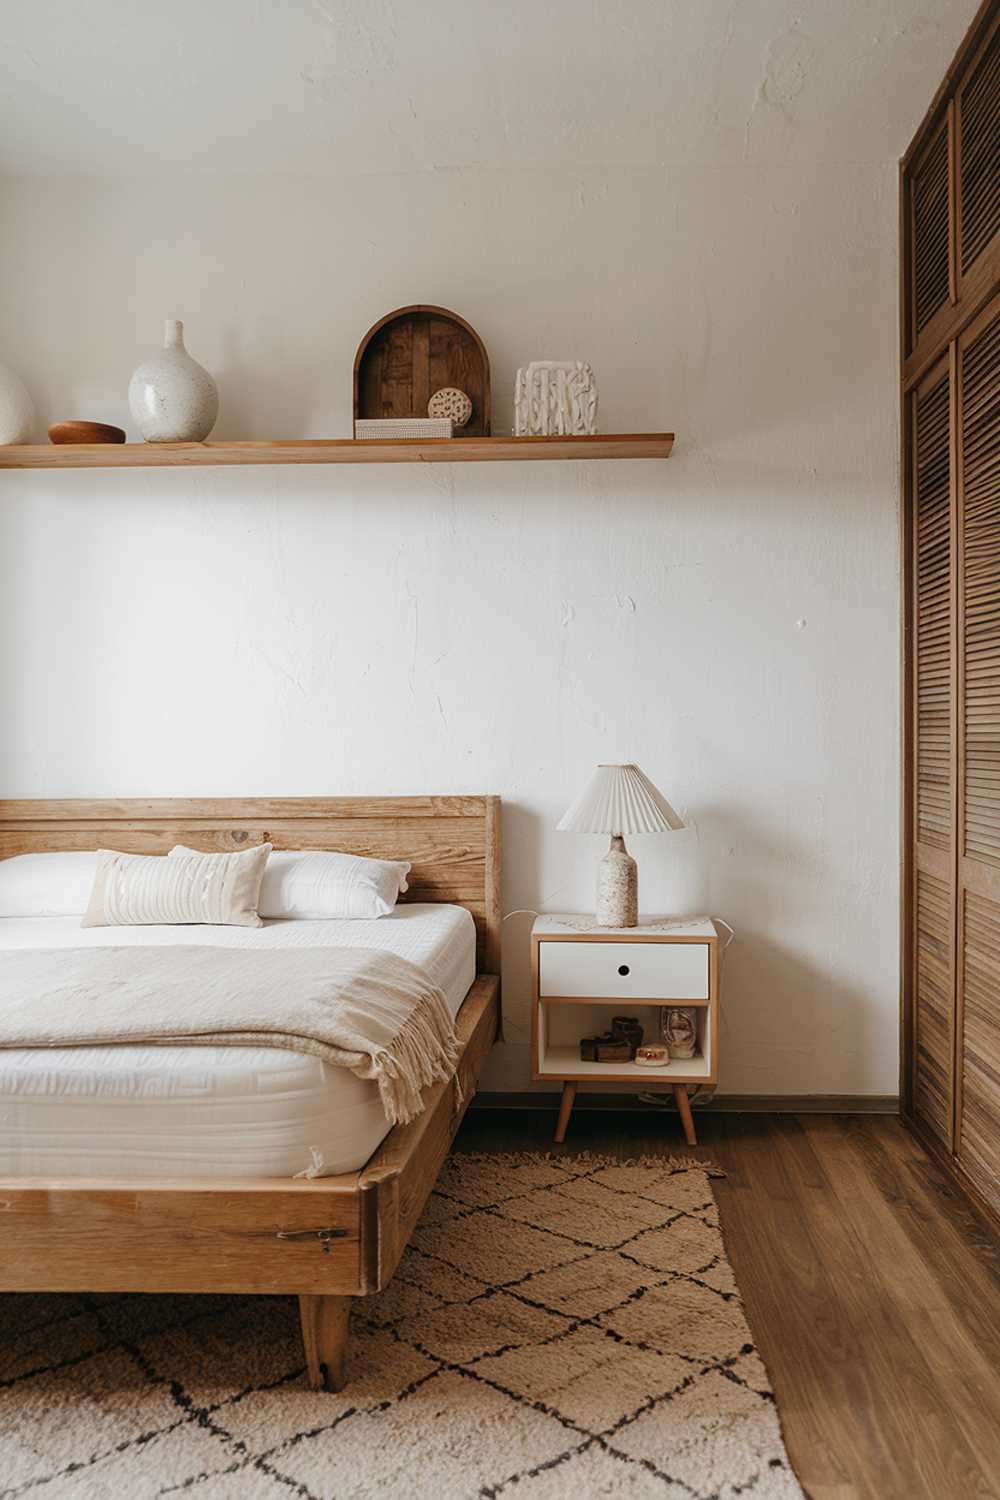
(619, 800)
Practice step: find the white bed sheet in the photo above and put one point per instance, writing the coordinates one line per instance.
(162, 1112)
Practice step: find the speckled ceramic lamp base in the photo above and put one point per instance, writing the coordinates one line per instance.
(617, 887)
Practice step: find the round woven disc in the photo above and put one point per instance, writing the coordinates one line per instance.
(450, 402)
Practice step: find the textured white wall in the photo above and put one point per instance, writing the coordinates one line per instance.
(728, 619)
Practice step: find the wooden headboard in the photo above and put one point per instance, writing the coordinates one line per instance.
(453, 843)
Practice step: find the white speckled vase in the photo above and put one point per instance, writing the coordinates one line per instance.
(17, 411)
(172, 398)
(617, 887)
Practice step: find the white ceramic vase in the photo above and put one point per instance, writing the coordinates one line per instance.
(172, 398)
(17, 411)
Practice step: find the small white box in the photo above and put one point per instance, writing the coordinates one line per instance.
(403, 427)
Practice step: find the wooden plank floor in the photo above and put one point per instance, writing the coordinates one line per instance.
(872, 1288)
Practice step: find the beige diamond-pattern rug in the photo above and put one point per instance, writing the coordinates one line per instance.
(558, 1327)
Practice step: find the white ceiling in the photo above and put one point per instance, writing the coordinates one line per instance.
(336, 87)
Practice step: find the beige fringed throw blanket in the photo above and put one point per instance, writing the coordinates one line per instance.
(366, 1010)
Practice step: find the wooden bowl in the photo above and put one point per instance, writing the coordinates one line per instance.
(85, 432)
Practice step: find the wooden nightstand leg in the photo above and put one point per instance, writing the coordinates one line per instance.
(684, 1110)
(565, 1110)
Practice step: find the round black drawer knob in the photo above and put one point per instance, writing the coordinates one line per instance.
(623, 969)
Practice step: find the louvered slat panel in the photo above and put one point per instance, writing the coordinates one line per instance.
(980, 391)
(934, 737)
(979, 1137)
(979, 136)
(933, 1004)
(932, 516)
(930, 233)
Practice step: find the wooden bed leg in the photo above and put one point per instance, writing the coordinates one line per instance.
(324, 1335)
(565, 1110)
(684, 1110)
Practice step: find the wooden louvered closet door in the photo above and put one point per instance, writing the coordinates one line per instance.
(950, 305)
(934, 735)
(977, 134)
(978, 1060)
(930, 225)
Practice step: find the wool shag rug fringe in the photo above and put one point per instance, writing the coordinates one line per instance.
(558, 1327)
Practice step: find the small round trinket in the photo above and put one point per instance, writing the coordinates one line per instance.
(451, 403)
(651, 1055)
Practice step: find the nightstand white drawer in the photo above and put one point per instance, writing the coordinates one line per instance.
(631, 971)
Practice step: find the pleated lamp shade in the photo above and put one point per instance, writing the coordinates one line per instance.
(620, 799)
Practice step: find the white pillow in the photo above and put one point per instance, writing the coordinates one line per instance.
(47, 885)
(139, 890)
(316, 884)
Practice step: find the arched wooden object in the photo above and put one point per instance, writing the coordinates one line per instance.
(411, 353)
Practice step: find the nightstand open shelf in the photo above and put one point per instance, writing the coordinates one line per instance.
(584, 975)
(566, 1063)
(560, 1028)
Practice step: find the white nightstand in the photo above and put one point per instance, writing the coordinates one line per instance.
(582, 975)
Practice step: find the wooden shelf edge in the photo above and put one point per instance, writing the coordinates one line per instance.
(632, 1073)
(335, 451)
(623, 1000)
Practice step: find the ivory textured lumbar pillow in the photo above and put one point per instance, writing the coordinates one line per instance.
(140, 890)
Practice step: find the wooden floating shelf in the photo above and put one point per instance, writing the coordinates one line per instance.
(335, 451)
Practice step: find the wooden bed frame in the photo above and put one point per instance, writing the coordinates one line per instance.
(328, 1239)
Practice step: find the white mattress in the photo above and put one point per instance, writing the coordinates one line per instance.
(161, 1112)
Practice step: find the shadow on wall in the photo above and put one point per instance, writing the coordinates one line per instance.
(259, 398)
(522, 857)
(788, 1024)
